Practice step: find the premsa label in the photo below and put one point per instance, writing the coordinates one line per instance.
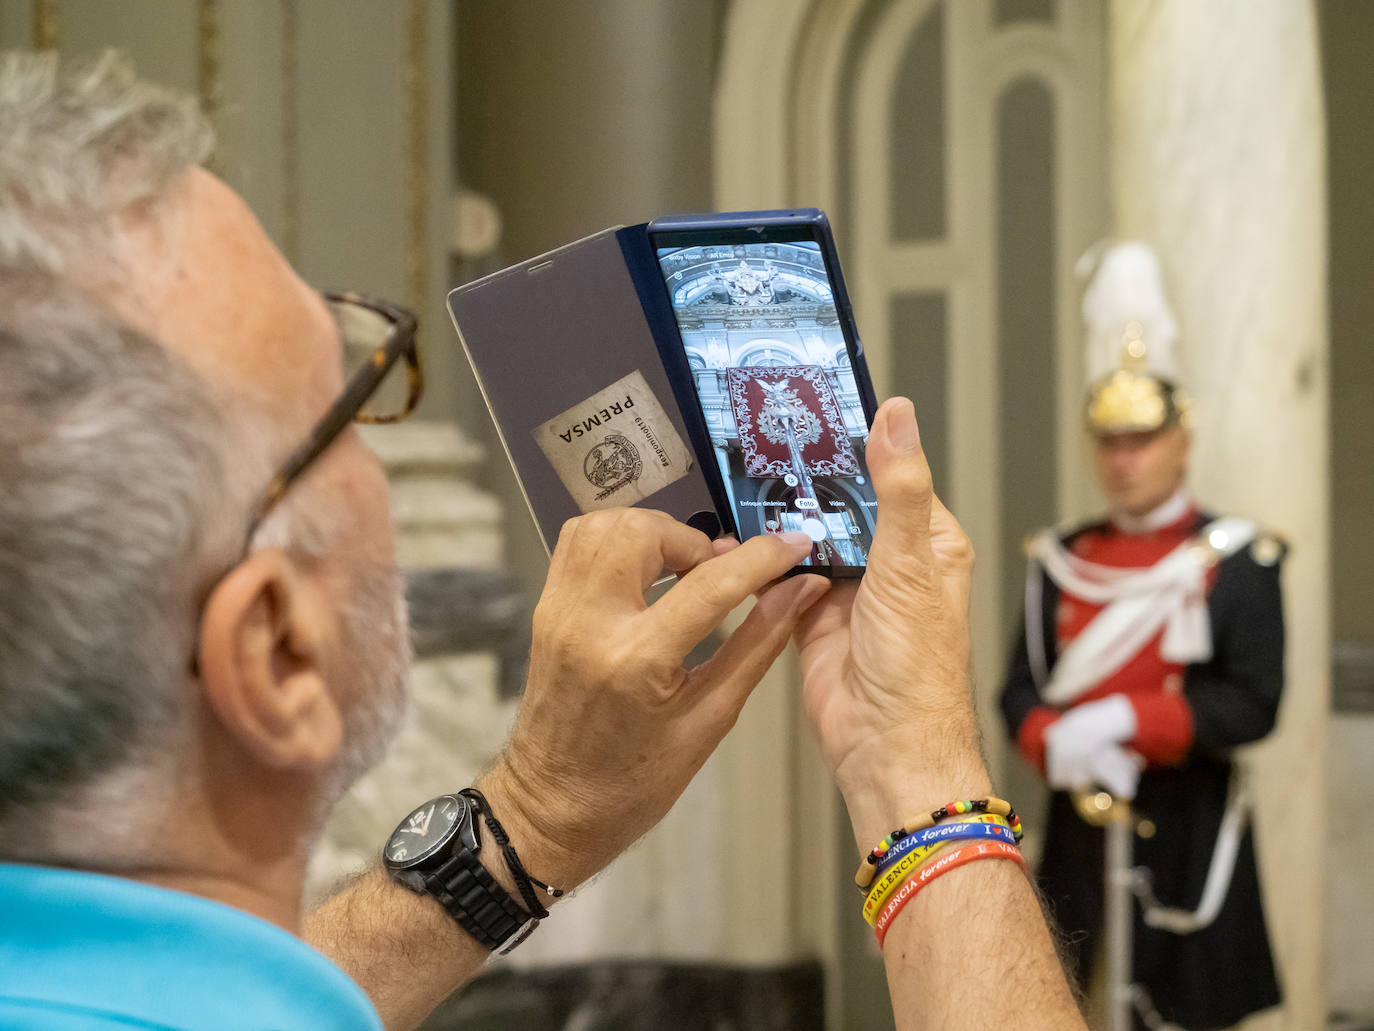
(615, 448)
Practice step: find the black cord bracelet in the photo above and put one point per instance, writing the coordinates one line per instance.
(524, 881)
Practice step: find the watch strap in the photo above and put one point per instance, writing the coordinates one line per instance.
(470, 894)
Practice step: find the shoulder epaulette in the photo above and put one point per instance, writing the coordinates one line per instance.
(1268, 548)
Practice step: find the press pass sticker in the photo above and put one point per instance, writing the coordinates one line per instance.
(616, 447)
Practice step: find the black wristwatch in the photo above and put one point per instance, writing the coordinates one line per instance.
(434, 852)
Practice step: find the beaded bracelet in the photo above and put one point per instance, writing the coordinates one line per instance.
(946, 832)
(938, 867)
(894, 871)
(864, 876)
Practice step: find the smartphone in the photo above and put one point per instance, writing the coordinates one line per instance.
(769, 371)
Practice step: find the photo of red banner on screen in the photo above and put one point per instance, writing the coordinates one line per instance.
(781, 407)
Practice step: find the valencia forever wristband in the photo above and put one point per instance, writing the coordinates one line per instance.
(917, 851)
(885, 883)
(948, 832)
(868, 869)
(942, 865)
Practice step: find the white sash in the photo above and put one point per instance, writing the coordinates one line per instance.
(1137, 603)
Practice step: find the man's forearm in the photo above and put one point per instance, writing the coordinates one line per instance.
(972, 950)
(977, 926)
(403, 949)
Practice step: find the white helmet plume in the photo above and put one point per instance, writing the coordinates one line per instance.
(1125, 301)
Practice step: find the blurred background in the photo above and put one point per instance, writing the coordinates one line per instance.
(968, 152)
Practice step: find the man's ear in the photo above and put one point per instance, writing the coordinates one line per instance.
(266, 631)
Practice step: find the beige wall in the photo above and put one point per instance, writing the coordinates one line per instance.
(1219, 155)
(578, 116)
(346, 204)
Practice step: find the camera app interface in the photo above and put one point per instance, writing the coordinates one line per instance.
(773, 376)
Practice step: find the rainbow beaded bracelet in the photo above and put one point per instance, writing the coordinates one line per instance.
(863, 877)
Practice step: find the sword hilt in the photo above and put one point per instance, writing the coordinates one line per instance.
(1101, 808)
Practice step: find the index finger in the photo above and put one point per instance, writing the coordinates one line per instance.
(698, 603)
(624, 550)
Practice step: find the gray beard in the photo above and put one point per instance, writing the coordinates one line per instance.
(376, 665)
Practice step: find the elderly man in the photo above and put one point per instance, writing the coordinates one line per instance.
(1152, 647)
(202, 640)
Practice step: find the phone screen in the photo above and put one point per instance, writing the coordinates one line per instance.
(773, 365)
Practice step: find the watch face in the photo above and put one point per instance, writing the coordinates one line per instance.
(425, 831)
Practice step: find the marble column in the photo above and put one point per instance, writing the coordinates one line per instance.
(1218, 154)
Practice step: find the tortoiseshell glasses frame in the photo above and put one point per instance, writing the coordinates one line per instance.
(363, 383)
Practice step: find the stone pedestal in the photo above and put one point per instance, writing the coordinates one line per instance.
(1219, 162)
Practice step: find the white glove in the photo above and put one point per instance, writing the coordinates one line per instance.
(1110, 720)
(1083, 748)
(1112, 767)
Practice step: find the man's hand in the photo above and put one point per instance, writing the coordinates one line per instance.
(887, 689)
(885, 664)
(613, 726)
(1107, 766)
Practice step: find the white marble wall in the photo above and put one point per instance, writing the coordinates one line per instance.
(1219, 161)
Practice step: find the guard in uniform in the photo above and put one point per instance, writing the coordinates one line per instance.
(1152, 647)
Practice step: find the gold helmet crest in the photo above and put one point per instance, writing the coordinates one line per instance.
(1133, 381)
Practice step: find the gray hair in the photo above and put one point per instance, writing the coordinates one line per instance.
(80, 145)
(110, 474)
(125, 478)
(115, 473)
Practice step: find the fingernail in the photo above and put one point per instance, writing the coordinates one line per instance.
(901, 425)
(797, 538)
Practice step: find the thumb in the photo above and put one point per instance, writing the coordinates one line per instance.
(902, 483)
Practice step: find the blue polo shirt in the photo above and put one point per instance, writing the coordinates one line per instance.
(87, 952)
